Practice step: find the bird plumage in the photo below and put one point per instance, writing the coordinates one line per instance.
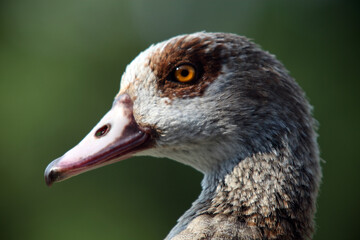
(243, 122)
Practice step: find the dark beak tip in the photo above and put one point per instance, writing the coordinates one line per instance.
(49, 179)
(51, 175)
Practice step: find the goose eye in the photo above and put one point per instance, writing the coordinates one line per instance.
(185, 73)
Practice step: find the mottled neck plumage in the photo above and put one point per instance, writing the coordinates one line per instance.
(265, 196)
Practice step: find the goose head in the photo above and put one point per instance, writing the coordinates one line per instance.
(220, 104)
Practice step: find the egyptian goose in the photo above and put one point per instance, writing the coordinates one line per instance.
(216, 102)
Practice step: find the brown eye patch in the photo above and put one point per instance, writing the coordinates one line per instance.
(205, 54)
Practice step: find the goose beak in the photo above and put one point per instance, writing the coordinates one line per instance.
(116, 137)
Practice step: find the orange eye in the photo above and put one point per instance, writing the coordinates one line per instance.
(185, 73)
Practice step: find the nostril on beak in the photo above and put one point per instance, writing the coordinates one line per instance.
(102, 131)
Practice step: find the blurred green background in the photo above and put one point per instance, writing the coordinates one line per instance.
(60, 65)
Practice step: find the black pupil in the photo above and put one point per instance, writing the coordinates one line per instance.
(184, 73)
(102, 131)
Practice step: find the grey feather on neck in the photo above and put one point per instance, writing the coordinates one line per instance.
(265, 196)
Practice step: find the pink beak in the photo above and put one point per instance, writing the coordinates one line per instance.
(116, 137)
